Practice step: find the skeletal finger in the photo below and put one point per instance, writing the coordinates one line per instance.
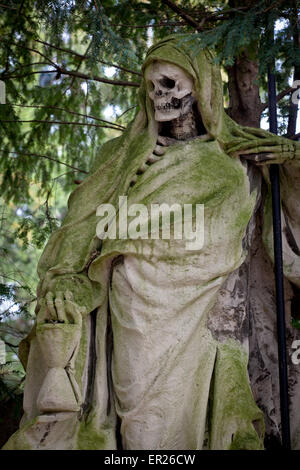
(269, 161)
(162, 140)
(254, 157)
(60, 307)
(50, 306)
(264, 157)
(260, 157)
(72, 309)
(68, 295)
(153, 158)
(73, 312)
(274, 149)
(43, 314)
(142, 169)
(204, 137)
(83, 311)
(159, 150)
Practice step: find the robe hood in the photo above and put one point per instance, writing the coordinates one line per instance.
(208, 87)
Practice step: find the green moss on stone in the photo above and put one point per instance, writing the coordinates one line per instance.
(88, 438)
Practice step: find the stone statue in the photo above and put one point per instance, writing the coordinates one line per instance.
(141, 343)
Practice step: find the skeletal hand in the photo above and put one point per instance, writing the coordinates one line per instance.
(166, 141)
(60, 309)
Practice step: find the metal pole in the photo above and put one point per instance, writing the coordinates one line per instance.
(281, 328)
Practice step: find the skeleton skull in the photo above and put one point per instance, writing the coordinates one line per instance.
(170, 89)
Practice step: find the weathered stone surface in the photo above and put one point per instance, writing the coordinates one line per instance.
(166, 332)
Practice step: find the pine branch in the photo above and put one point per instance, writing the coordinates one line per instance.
(109, 64)
(224, 10)
(69, 86)
(7, 76)
(118, 126)
(213, 17)
(272, 6)
(126, 111)
(84, 57)
(151, 25)
(73, 73)
(36, 52)
(8, 330)
(44, 156)
(62, 49)
(48, 212)
(10, 345)
(21, 7)
(2, 314)
(98, 79)
(23, 66)
(182, 14)
(78, 66)
(23, 304)
(8, 7)
(74, 123)
(11, 278)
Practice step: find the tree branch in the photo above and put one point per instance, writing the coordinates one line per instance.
(62, 49)
(7, 76)
(45, 156)
(151, 25)
(126, 111)
(10, 345)
(75, 123)
(118, 126)
(77, 69)
(98, 79)
(279, 97)
(84, 57)
(293, 137)
(205, 16)
(29, 65)
(73, 73)
(36, 52)
(8, 7)
(8, 330)
(182, 14)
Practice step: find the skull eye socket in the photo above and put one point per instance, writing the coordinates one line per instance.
(150, 85)
(167, 82)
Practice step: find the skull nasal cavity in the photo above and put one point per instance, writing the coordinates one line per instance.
(167, 82)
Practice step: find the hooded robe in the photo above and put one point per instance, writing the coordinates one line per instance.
(163, 355)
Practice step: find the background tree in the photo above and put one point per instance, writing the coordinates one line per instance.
(71, 69)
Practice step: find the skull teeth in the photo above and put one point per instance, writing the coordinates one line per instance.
(175, 104)
(166, 107)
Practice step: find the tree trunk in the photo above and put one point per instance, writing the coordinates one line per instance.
(245, 108)
(244, 99)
